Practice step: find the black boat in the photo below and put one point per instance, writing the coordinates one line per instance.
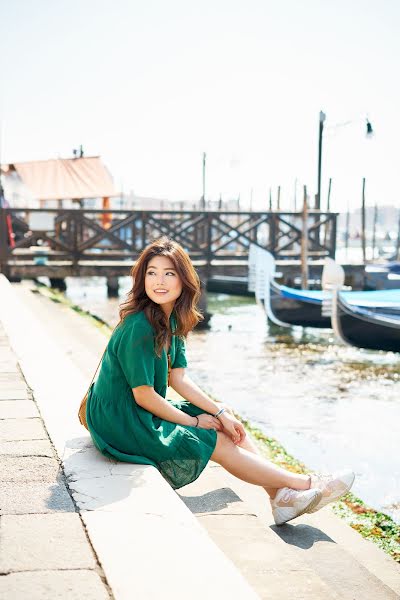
(290, 306)
(293, 306)
(364, 328)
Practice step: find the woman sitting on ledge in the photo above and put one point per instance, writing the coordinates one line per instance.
(130, 419)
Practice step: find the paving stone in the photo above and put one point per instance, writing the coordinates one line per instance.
(27, 448)
(22, 429)
(9, 366)
(14, 393)
(8, 380)
(28, 468)
(41, 542)
(53, 585)
(19, 498)
(18, 409)
(7, 355)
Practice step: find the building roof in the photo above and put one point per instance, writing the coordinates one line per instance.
(62, 178)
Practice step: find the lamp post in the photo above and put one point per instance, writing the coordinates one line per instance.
(322, 117)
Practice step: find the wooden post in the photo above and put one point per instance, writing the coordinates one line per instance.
(278, 200)
(328, 204)
(374, 230)
(363, 245)
(304, 243)
(347, 229)
(3, 243)
(398, 240)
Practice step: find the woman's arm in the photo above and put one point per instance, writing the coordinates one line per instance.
(147, 398)
(186, 388)
(182, 384)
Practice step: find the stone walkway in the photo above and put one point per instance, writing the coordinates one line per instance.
(44, 551)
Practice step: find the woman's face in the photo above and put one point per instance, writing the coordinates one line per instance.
(162, 282)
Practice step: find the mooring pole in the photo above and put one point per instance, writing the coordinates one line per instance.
(374, 230)
(304, 243)
(363, 241)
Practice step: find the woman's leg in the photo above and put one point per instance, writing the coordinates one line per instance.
(248, 444)
(248, 465)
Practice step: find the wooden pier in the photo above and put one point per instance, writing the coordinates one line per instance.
(61, 243)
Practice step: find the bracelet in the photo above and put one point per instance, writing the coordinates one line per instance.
(197, 419)
(222, 410)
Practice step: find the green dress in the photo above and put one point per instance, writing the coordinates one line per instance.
(123, 430)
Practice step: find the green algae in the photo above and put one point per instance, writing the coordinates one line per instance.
(59, 298)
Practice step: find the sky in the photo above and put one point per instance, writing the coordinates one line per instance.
(151, 85)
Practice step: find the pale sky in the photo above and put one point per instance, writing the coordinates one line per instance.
(151, 85)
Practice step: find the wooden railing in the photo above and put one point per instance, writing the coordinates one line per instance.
(78, 234)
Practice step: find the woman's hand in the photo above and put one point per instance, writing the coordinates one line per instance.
(232, 427)
(207, 421)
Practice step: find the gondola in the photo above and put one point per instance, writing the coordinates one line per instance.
(287, 306)
(363, 328)
(304, 307)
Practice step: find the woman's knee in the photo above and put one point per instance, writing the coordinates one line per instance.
(223, 445)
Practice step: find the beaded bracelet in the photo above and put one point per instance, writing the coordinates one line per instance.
(222, 410)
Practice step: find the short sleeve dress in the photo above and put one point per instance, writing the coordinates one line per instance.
(123, 430)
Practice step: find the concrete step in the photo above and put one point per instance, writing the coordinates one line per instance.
(316, 556)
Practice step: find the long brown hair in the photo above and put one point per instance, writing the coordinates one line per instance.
(185, 308)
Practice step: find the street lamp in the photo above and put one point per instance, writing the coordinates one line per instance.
(322, 117)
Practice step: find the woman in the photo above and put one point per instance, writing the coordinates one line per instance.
(130, 419)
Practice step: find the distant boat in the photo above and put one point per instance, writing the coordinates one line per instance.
(364, 328)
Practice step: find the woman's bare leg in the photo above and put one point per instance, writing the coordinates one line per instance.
(248, 444)
(248, 465)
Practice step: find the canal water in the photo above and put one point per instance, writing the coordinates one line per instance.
(330, 406)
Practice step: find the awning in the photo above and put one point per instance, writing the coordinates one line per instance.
(62, 178)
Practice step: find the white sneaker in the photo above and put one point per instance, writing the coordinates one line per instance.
(289, 504)
(331, 486)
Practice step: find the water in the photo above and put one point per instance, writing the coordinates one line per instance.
(329, 405)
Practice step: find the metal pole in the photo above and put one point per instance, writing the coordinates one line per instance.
(322, 118)
(278, 201)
